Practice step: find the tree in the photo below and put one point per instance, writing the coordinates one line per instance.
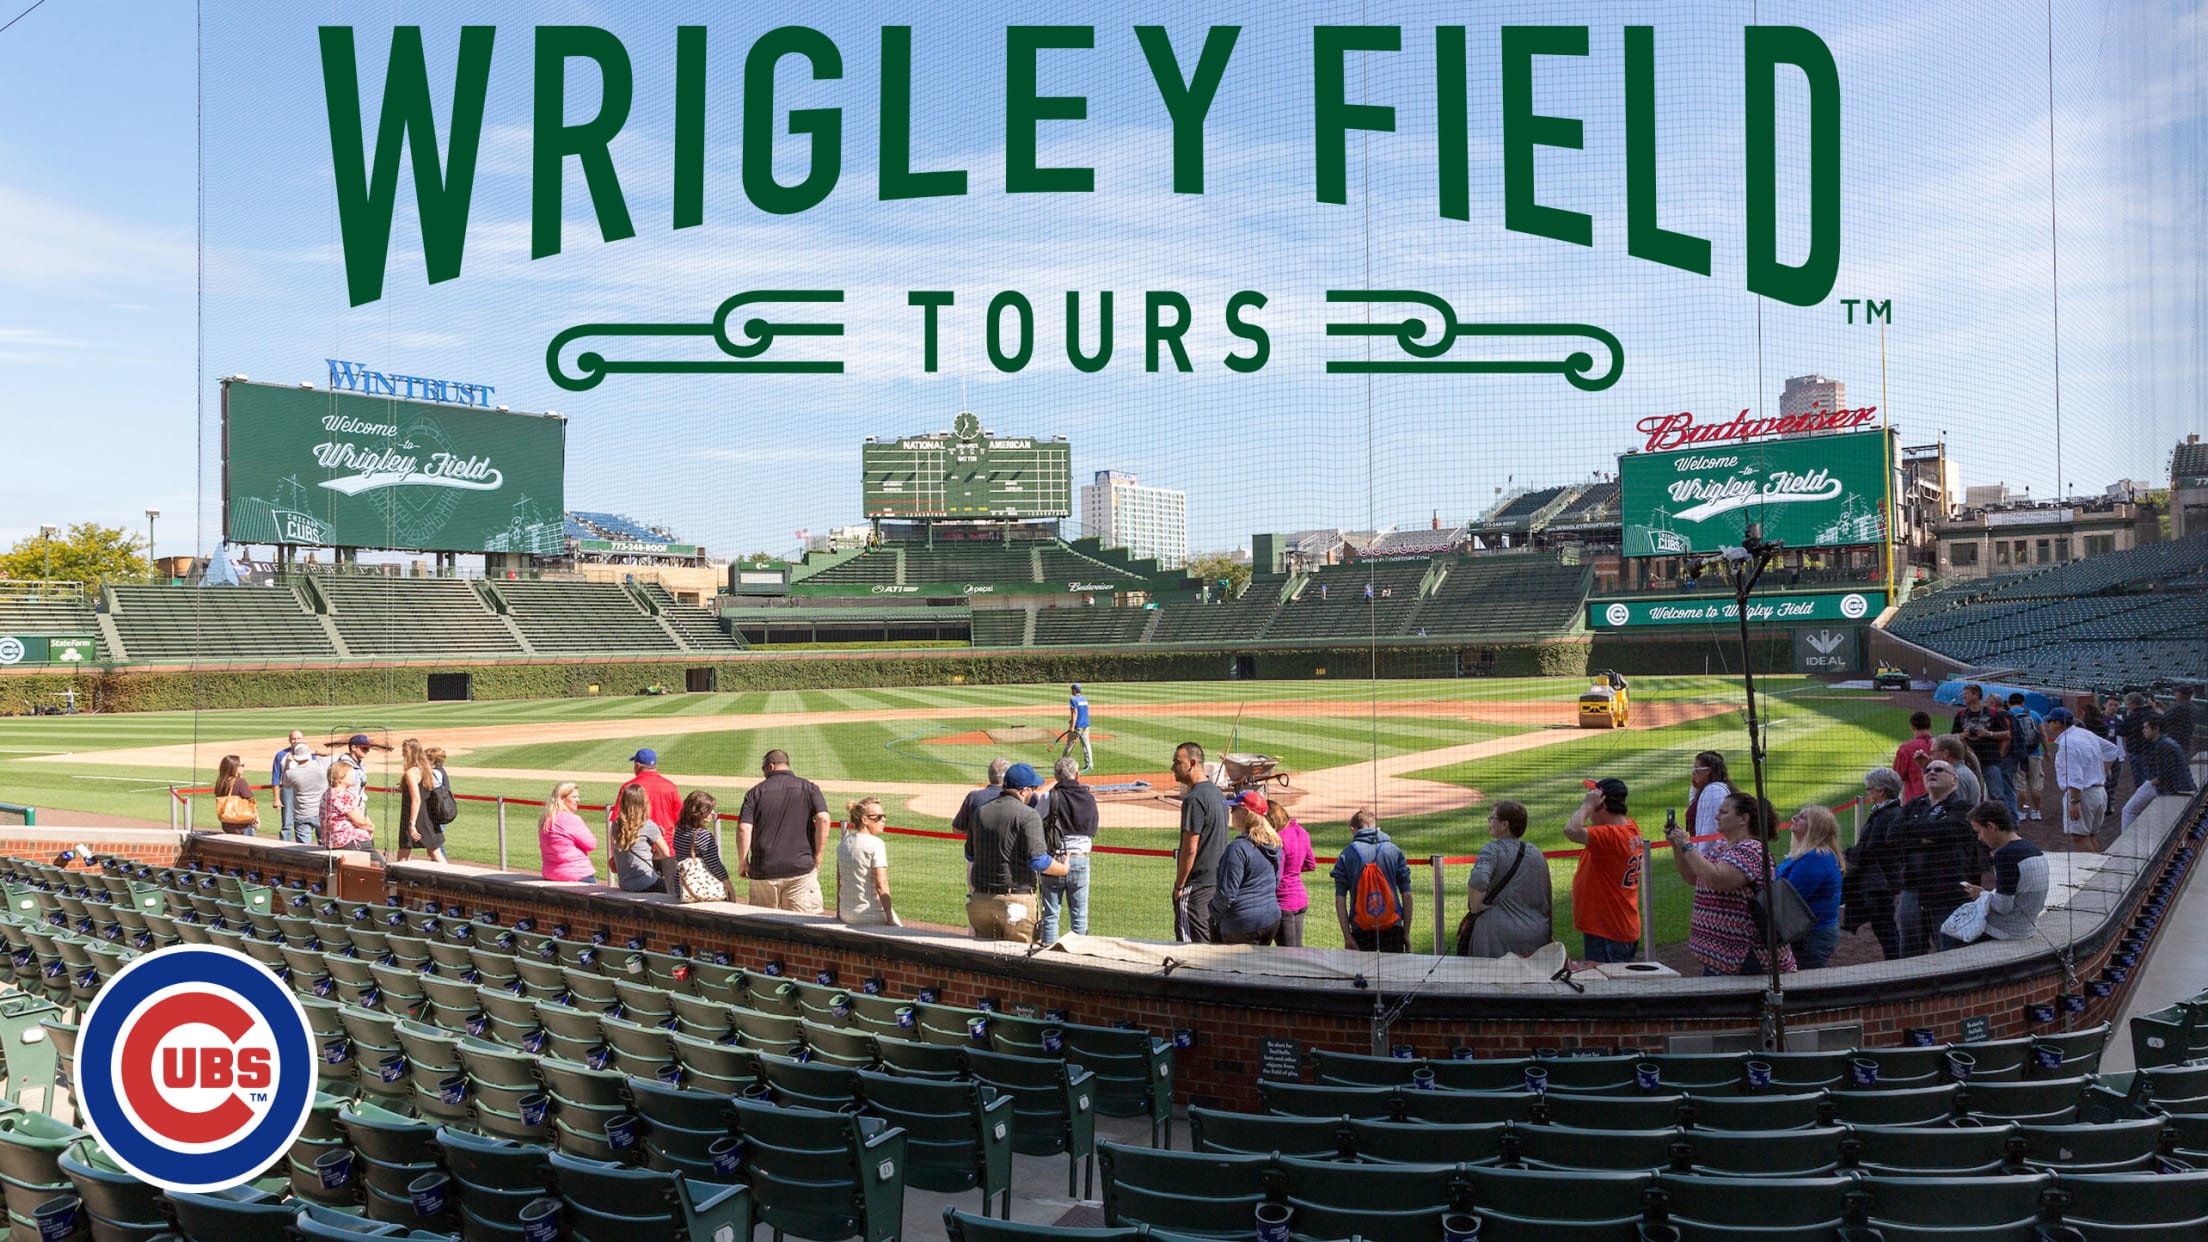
(87, 552)
(1211, 567)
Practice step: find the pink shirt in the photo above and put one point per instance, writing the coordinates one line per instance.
(1295, 859)
(565, 842)
(1906, 765)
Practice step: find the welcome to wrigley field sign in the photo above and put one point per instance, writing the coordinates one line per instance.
(1807, 491)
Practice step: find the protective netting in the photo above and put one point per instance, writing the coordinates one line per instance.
(1904, 199)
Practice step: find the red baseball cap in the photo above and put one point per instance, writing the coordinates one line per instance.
(1253, 802)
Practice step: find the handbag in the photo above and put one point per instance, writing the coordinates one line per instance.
(693, 882)
(1785, 908)
(1968, 921)
(237, 809)
(1464, 925)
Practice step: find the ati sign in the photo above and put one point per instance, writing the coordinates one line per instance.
(48, 649)
(1840, 606)
(1828, 649)
(1819, 492)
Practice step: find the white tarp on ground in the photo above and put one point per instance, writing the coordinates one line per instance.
(1381, 969)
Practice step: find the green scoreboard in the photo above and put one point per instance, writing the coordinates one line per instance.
(349, 470)
(968, 474)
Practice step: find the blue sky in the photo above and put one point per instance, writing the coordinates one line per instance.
(1945, 212)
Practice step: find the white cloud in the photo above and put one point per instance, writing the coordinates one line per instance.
(57, 245)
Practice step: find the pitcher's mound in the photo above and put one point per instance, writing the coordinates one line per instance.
(1006, 735)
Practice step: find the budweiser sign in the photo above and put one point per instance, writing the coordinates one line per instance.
(1674, 431)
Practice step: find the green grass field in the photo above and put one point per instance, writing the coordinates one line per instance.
(1820, 740)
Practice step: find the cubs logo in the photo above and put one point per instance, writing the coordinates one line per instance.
(195, 1068)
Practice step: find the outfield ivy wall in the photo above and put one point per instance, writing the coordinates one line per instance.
(211, 687)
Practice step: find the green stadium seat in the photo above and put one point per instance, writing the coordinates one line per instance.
(958, 1136)
(240, 1214)
(1567, 1147)
(767, 994)
(1507, 1197)
(2135, 1207)
(645, 1004)
(1613, 1112)
(1909, 1209)
(823, 1175)
(680, 1121)
(965, 1227)
(1937, 1150)
(1201, 1193)
(2111, 1147)
(708, 1065)
(1612, 1073)
(1297, 1099)
(1790, 1111)
(1259, 1134)
(1413, 1142)
(1783, 1209)
(585, 1104)
(570, 1032)
(921, 1060)
(1351, 1069)
(1798, 1072)
(1906, 1106)
(779, 1034)
(1767, 1153)
(494, 1179)
(1480, 1073)
(849, 1047)
(816, 1085)
(2047, 1101)
(121, 1206)
(698, 1016)
(1467, 1107)
(31, 1146)
(638, 1049)
(1333, 1200)
(1701, 1071)
(1134, 1073)
(1053, 1109)
(612, 1203)
(1902, 1068)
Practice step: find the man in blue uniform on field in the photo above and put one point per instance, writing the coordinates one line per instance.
(1077, 728)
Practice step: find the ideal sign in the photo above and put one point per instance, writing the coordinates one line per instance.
(1828, 649)
(1814, 492)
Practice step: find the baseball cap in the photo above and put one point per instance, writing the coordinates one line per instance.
(1077, 687)
(2061, 716)
(1613, 789)
(647, 756)
(302, 752)
(1021, 776)
(1251, 801)
(361, 739)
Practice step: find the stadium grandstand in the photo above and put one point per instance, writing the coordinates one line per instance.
(2131, 618)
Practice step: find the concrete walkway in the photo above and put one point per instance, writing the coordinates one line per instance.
(2177, 965)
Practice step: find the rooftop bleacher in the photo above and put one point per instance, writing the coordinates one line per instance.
(158, 623)
(1526, 505)
(425, 617)
(582, 618)
(1422, 542)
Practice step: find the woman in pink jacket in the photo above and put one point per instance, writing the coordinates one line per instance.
(1295, 859)
(563, 840)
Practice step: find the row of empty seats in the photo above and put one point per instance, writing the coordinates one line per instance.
(577, 618)
(216, 623)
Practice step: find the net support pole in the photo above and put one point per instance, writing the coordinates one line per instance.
(1648, 893)
(502, 832)
(1433, 862)
(188, 825)
(172, 809)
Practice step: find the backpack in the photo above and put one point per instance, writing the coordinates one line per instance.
(443, 807)
(2026, 739)
(1374, 905)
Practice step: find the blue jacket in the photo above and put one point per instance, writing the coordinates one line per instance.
(1247, 898)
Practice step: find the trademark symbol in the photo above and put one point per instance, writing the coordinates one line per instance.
(258, 1097)
(1874, 309)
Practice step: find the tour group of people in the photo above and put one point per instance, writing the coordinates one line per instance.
(1937, 823)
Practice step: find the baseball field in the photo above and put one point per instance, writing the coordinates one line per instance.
(1427, 754)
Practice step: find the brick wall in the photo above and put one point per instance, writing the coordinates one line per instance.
(1232, 1019)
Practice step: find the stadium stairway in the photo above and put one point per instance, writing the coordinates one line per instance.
(696, 628)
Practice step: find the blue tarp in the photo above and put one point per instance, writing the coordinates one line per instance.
(1951, 692)
(221, 570)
